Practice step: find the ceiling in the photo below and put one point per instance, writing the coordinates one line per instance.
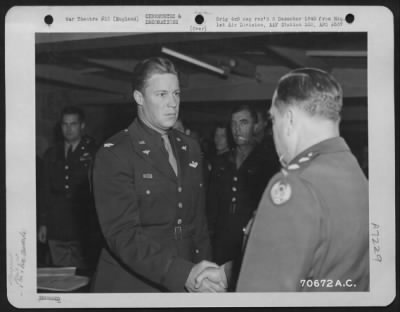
(95, 68)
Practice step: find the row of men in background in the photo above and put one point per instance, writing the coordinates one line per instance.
(67, 221)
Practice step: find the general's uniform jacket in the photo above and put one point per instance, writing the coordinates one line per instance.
(233, 196)
(310, 231)
(65, 194)
(153, 221)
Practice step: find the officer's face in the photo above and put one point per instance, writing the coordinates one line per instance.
(72, 127)
(220, 139)
(159, 101)
(242, 125)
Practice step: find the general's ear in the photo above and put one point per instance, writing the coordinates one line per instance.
(290, 120)
(138, 96)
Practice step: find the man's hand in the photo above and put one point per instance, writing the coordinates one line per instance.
(205, 285)
(215, 275)
(42, 235)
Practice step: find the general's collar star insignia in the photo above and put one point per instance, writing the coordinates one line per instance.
(184, 147)
(280, 193)
(108, 144)
(293, 167)
(147, 152)
(194, 164)
(304, 159)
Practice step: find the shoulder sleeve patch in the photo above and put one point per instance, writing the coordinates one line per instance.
(280, 192)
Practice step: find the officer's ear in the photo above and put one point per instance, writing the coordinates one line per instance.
(138, 96)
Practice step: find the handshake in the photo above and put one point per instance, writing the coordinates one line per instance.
(207, 277)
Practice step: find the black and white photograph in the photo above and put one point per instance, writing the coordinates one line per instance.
(214, 151)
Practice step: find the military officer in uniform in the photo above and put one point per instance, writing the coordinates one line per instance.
(310, 231)
(149, 195)
(237, 181)
(65, 195)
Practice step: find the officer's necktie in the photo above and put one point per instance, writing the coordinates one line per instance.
(171, 157)
(69, 153)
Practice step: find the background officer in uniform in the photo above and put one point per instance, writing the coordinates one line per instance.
(149, 195)
(65, 197)
(237, 181)
(310, 232)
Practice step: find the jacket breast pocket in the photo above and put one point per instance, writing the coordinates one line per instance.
(154, 200)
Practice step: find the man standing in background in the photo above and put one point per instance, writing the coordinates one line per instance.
(65, 195)
(237, 181)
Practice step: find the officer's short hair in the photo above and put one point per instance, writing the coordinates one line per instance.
(313, 90)
(245, 107)
(148, 67)
(73, 110)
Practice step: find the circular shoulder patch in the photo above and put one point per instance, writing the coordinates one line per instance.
(280, 193)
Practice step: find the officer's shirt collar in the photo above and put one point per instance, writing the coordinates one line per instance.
(74, 145)
(153, 133)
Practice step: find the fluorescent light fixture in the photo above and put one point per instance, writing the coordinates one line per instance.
(192, 60)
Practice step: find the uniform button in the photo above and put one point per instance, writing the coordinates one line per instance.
(148, 192)
(67, 186)
(201, 184)
(234, 189)
(197, 251)
(179, 189)
(233, 199)
(66, 177)
(179, 221)
(66, 167)
(235, 178)
(180, 205)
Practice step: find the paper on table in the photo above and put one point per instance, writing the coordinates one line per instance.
(62, 283)
(60, 279)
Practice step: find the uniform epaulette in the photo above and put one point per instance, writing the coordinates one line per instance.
(115, 139)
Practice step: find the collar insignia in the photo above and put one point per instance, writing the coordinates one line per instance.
(147, 152)
(304, 159)
(178, 139)
(184, 147)
(293, 167)
(280, 193)
(142, 142)
(108, 144)
(147, 176)
(193, 164)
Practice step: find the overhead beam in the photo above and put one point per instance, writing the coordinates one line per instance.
(336, 53)
(67, 43)
(296, 57)
(59, 74)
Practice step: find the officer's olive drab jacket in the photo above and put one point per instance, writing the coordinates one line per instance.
(310, 232)
(65, 198)
(153, 221)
